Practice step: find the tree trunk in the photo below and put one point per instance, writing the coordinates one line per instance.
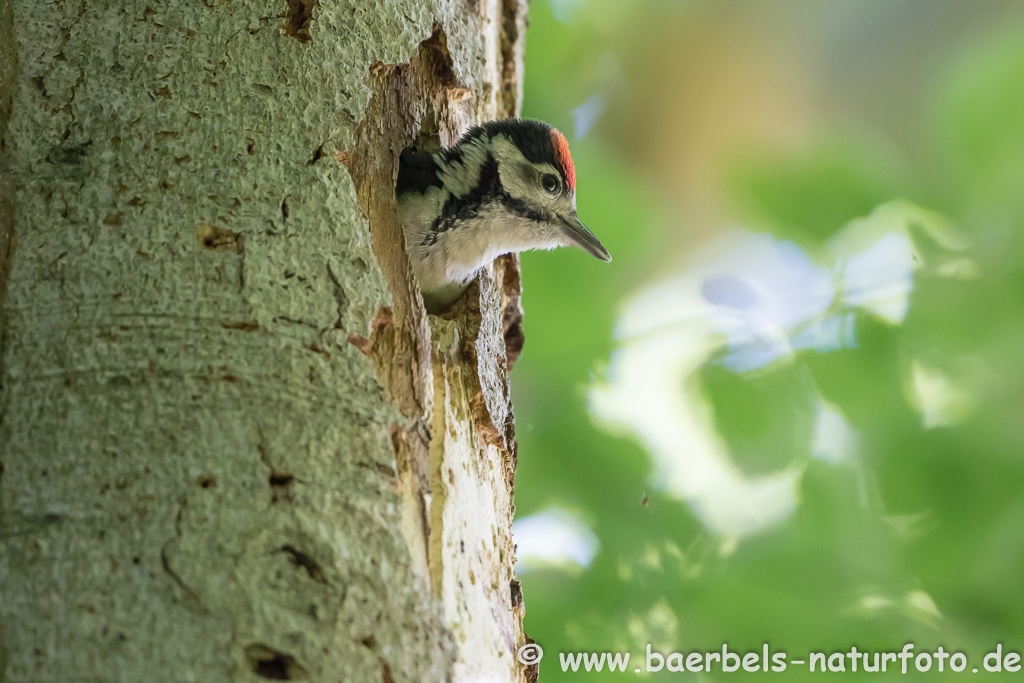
(234, 445)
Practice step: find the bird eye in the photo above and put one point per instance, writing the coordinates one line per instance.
(549, 181)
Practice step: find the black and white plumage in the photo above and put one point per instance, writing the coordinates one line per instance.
(507, 186)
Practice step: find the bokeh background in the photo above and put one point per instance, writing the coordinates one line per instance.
(791, 410)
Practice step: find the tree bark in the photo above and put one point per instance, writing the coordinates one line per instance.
(234, 446)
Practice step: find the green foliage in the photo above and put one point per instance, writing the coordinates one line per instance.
(765, 417)
(911, 534)
(981, 112)
(809, 198)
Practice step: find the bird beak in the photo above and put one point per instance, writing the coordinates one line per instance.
(580, 236)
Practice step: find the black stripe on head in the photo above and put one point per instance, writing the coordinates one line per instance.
(533, 138)
(524, 209)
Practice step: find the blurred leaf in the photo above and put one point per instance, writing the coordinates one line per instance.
(765, 417)
(982, 111)
(865, 382)
(807, 199)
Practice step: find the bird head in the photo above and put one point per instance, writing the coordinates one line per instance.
(506, 187)
(537, 181)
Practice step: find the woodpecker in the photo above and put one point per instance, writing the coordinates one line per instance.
(507, 186)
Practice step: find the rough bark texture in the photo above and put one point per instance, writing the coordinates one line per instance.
(234, 445)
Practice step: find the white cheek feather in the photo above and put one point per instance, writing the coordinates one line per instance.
(493, 233)
(509, 159)
(462, 250)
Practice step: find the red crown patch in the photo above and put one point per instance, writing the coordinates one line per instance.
(563, 159)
